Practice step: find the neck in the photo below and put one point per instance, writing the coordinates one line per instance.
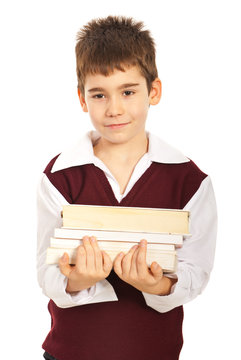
(133, 150)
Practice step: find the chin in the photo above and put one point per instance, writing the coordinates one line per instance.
(117, 138)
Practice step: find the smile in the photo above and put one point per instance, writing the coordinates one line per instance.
(117, 126)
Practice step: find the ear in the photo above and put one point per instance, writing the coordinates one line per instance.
(82, 101)
(156, 92)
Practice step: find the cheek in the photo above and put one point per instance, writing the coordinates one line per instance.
(96, 110)
(94, 114)
(140, 112)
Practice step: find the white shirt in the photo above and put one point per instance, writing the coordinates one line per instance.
(195, 258)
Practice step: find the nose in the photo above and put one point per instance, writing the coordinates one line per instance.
(114, 107)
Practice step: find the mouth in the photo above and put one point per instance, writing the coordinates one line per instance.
(117, 126)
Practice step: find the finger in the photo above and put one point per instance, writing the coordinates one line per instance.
(118, 264)
(141, 259)
(90, 255)
(64, 266)
(156, 270)
(97, 254)
(80, 261)
(127, 260)
(133, 268)
(106, 262)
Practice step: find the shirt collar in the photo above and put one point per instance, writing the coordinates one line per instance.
(82, 152)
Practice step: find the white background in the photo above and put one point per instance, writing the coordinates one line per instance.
(198, 56)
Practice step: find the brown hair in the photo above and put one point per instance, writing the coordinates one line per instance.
(115, 42)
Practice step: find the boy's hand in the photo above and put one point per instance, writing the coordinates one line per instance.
(132, 268)
(92, 265)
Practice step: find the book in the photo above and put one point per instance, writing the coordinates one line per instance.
(107, 245)
(166, 258)
(117, 218)
(117, 229)
(67, 233)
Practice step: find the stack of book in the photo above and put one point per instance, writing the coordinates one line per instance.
(117, 229)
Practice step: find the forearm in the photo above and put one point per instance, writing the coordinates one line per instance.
(167, 284)
(50, 279)
(73, 287)
(190, 283)
(195, 258)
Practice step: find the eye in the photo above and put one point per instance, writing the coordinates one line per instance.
(98, 96)
(128, 93)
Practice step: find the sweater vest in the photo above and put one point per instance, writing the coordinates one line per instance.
(126, 329)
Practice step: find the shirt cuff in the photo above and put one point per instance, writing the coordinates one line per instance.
(176, 298)
(56, 283)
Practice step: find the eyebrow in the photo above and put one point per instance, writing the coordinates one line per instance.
(123, 86)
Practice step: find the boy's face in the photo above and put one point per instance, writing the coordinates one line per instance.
(118, 104)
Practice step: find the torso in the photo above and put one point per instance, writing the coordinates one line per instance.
(127, 328)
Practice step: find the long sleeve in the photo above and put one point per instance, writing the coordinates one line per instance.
(52, 282)
(196, 257)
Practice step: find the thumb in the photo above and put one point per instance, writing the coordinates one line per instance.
(64, 266)
(156, 270)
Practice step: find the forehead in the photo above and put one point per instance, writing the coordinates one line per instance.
(118, 78)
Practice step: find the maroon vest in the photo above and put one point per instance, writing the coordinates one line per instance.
(126, 329)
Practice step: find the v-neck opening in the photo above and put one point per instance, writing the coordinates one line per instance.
(100, 175)
(113, 181)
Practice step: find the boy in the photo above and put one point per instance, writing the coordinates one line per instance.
(124, 310)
